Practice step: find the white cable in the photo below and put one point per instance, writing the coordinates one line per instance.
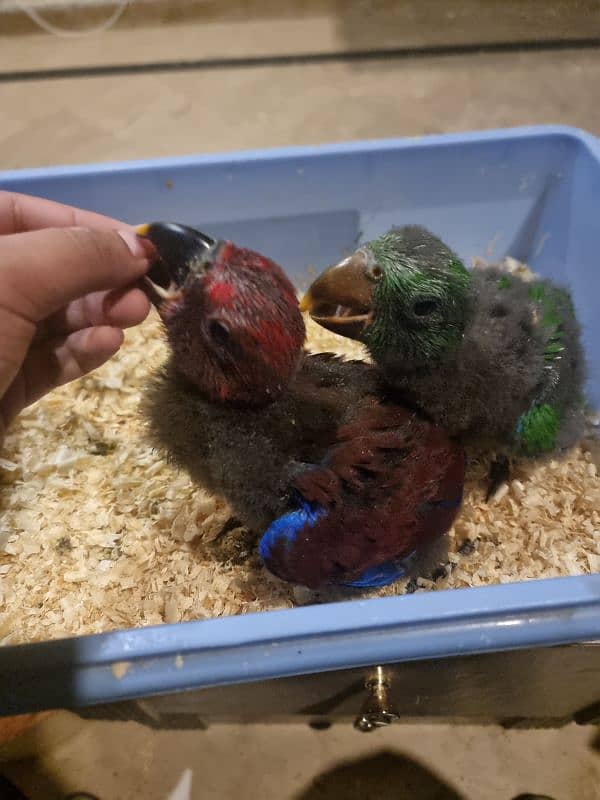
(49, 27)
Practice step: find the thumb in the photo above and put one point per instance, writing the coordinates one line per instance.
(42, 271)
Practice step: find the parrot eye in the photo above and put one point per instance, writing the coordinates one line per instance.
(375, 272)
(425, 307)
(218, 333)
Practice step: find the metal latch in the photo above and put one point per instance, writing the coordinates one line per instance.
(377, 710)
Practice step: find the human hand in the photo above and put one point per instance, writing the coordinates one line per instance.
(67, 290)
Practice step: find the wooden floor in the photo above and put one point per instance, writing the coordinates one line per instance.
(106, 118)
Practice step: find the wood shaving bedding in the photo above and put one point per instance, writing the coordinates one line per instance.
(98, 533)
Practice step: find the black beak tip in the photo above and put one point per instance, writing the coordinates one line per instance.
(170, 233)
(178, 248)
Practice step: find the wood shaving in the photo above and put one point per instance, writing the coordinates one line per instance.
(98, 533)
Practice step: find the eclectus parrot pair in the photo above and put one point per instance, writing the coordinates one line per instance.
(345, 483)
(349, 470)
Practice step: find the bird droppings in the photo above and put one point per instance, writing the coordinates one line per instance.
(96, 538)
(465, 549)
(64, 545)
(102, 448)
(179, 661)
(120, 669)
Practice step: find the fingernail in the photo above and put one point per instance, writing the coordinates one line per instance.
(139, 248)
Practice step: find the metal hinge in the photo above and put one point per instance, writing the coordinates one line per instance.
(377, 710)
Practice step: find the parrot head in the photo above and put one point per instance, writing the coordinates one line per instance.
(231, 315)
(405, 295)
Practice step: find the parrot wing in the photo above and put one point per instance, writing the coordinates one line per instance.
(390, 484)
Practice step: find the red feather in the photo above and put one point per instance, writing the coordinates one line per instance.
(380, 485)
(221, 293)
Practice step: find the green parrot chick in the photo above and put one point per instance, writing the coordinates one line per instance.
(494, 359)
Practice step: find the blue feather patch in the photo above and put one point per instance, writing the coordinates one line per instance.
(381, 575)
(288, 526)
(520, 426)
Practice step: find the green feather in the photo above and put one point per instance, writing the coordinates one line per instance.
(463, 275)
(537, 429)
(537, 292)
(417, 267)
(553, 304)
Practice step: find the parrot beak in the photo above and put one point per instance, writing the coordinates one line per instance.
(341, 298)
(181, 253)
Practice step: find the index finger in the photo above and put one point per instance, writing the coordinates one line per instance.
(20, 213)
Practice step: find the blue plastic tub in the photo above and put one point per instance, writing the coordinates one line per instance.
(532, 193)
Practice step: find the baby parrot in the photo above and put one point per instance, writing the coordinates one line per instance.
(345, 483)
(493, 359)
